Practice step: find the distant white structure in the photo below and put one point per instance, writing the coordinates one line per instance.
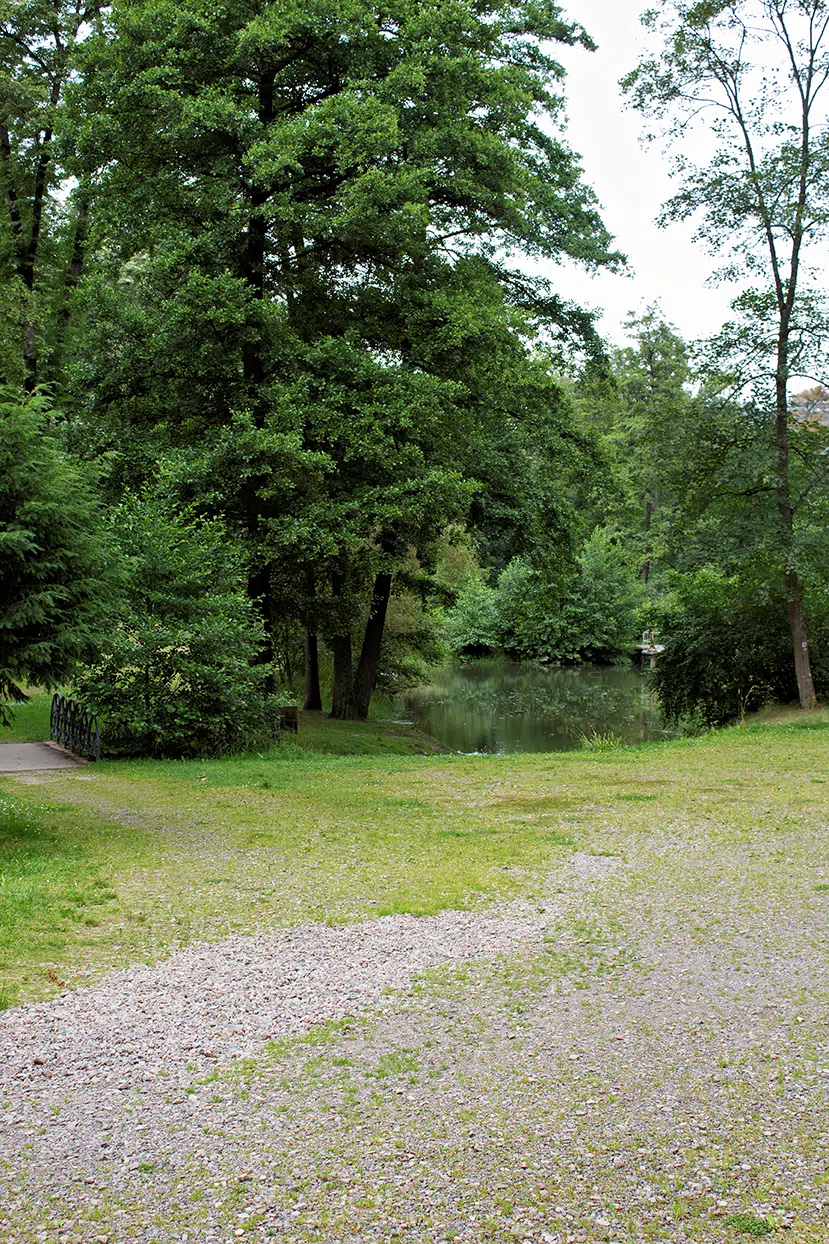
(650, 648)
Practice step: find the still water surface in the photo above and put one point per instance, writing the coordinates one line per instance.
(495, 706)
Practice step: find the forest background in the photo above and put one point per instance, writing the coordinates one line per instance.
(285, 398)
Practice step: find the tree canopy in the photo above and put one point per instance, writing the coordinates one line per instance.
(311, 294)
(287, 274)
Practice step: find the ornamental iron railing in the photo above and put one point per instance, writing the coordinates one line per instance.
(74, 728)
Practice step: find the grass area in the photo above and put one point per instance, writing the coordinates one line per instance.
(318, 733)
(30, 723)
(128, 860)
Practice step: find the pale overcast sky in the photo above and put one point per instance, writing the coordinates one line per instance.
(631, 182)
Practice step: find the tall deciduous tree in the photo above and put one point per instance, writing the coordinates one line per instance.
(42, 241)
(325, 204)
(756, 73)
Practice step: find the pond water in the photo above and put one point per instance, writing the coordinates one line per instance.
(496, 706)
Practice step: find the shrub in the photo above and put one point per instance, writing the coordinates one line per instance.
(600, 613)
(472, 627)
(179, 674)
(529, 611)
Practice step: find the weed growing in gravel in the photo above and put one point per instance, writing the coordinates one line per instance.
(747, 1224)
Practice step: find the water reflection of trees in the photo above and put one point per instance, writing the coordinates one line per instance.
(490, 706)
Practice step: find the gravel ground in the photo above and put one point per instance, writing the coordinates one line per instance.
(641, 1055)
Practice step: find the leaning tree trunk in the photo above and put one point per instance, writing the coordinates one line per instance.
(365, 679)
(342, 698)
(313, 694)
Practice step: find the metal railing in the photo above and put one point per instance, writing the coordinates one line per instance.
(74, 728)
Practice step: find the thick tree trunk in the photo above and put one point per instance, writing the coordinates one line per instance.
(365, 679)
(313, 694)
(260, 592)
(342, 699)
(253, 260)
(73, 276)
(30, 357)
(253, 357)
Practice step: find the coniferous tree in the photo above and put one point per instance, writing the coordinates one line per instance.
(57, 572)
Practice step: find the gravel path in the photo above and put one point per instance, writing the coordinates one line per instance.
(224, 1001)
(68, 1067)
(642, 1056)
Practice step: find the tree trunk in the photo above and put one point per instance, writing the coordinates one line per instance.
(794, 589)
(260, 592)
(366, 677)
(313, 695)
(30, 357)
(71, 282)
(343, 706)
(253, 260)
(800, 641)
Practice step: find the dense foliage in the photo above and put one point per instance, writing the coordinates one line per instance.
(585, 614)
(726, 647)
(56, 567)
(278, 265)
(179, 674)
(306, 297)
(752, 75)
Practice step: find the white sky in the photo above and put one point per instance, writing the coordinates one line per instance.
(632, 182)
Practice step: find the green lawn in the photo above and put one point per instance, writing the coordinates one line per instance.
(30, 723)
(127, 860)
